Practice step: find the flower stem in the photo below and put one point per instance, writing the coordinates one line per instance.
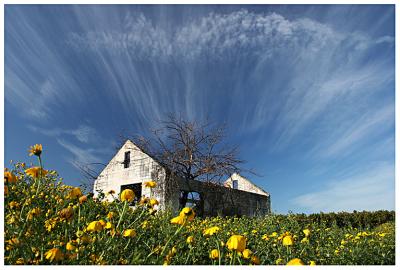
(219, 252)
(40, 176)
(122, 215)
(169, 240)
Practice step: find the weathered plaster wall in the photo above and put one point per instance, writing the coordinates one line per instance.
(142, 169)
(244, 184)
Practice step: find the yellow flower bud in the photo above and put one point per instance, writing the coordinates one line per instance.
(214, 254)
(236, 242)
(129, 233)
(295, 261)
(127, 195)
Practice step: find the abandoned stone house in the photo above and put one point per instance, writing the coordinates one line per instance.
(131, 167)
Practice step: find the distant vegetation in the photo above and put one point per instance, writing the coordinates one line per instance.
(361, 220)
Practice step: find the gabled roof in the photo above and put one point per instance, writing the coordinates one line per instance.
(141, 149)
(247, 180)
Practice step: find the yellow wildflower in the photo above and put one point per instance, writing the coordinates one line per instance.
(82, 199)
(295, 261)
(13, 241)
(13, 204)
(66, 213)
(50, 223)
(127, 195)
(35, 172)
(20, 261)
(188, 213)
(214, 254)
(70, 246)
(287, 240)
(54, 254)
(265, 237)
(150, 184)
(94, 226)
(110, 215)
(145, 224)
(211, 231)
(178, 220)
(190, 240)
(247, 253)
(143, 200)
(274, 234)
(307, 232)
(102, 223)
(278, 261)
(74, 193)
(304, 240)
(129, 233)
(109, 225)
(9, 177)
(34, 213)
(5, 190)
(153, 202)
(236, 242)
(35, 150)
(312, 263)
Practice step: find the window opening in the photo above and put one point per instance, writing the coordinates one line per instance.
(127, 159)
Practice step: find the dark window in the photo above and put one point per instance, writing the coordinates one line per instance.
(235, 184)
(192, 199)
(137, 189)
(127, 160)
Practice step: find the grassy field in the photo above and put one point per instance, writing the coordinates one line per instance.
(47, 222)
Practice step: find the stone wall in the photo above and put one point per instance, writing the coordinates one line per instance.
(220, 200)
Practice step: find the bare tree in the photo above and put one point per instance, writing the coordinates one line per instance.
(192, 150)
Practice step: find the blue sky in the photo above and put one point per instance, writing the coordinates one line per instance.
(307, 91)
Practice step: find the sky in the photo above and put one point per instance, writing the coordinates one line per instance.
(306, 91)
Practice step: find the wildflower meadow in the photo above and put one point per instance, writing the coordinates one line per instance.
(48, 222)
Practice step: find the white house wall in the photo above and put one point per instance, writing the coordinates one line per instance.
(141, 169)
(244, 184)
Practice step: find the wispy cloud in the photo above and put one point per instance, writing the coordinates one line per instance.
(216, 35)
(322, 67)
(80, 155)
(365, 128)
(29, 86)
(372, 189)
(83, 133)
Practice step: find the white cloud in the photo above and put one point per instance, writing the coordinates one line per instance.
(385, 39)
(81, 156)
(367, 126)
(370, 190)
(83, 133)
(213, 35)
(321, 60)
(35, 75)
